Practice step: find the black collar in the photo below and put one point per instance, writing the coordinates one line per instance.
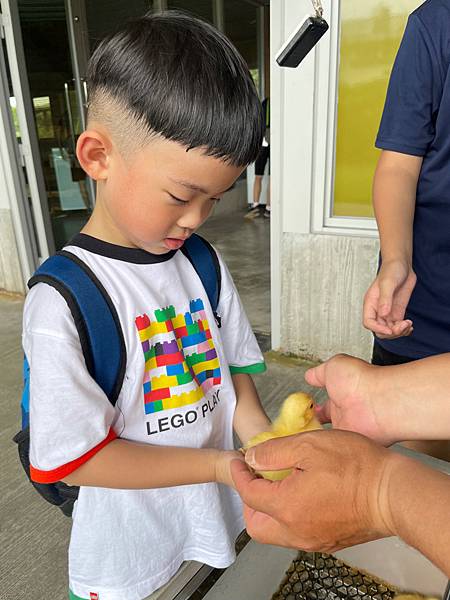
(130, 255)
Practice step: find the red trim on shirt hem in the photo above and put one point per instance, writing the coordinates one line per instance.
(60, 472)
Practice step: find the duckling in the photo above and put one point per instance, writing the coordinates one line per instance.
(296, 415)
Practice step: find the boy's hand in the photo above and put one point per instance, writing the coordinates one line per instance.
(223, 463)
(386, 300)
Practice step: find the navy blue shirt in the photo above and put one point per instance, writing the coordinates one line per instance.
(416, 121)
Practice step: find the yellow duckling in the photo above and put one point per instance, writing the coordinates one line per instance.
(296, 415)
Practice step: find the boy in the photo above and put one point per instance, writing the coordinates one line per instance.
(407, 306)
(173, 119)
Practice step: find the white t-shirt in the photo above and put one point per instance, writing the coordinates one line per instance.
(177, 390)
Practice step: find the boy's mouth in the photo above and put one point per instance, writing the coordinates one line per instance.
(173, 243)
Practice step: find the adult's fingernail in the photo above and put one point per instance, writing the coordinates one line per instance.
(250, 457)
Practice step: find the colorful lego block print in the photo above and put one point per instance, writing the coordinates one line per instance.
(181, 363)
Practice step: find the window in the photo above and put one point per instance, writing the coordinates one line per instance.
(199, 8)
(241, 28)
(370, 35)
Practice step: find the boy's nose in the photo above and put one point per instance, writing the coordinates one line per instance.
(192, 219)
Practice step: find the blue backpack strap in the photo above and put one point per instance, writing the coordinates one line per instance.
(204, 259)
(25, 403)
(95, 318)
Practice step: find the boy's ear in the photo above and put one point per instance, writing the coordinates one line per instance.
(93, 150)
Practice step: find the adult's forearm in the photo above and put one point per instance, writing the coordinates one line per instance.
(130, 465)
(419, 505)
(394, 198)
(412, 401)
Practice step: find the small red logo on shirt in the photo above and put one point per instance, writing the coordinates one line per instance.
(94, 596)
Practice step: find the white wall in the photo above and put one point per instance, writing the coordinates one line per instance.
(318, 279)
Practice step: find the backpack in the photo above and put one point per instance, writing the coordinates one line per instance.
(100, 336)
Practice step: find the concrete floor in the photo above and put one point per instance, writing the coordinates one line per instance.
(245, 246)
(33, 551)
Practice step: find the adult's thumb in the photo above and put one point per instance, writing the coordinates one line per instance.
(273, 455)
(316, 375)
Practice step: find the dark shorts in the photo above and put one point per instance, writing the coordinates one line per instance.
(384, 358)
(263, 157)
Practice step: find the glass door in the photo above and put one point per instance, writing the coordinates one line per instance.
(14, 172)
(59, 36)
(56, 116)
(38, 235)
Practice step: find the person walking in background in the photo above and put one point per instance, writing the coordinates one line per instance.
(255, 209)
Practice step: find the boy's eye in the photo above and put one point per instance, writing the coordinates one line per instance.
(178, 199)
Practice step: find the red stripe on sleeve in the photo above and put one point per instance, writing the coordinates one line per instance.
(60, 472)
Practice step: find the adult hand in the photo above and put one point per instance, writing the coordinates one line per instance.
(386, 300)
(336, 496)
(354, 400)
(386, 403)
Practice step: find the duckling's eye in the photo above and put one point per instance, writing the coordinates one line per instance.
(311, 405)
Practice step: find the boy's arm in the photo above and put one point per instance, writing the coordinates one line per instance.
(249, 417)
(129, 465)
(123, 464)
(394, 198)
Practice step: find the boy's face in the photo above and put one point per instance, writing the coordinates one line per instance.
(160, 197)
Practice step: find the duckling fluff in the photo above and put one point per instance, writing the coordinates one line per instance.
(296, 415)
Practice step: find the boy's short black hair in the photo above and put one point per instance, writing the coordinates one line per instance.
(183, 79)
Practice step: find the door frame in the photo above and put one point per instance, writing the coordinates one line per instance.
(15, 185)
(41, 234)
